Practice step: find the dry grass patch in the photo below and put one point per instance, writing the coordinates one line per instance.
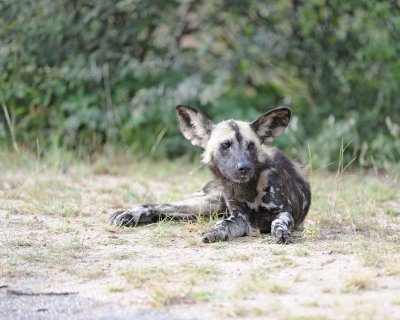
(164, 297)
(93, 273)
(358, 282)
(392, 267)
(115, 288)
(234, 256)
(301, 252)
(259, 282)
(241, 310)
(183, 275)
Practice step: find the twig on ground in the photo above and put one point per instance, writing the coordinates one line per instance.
(26, 293)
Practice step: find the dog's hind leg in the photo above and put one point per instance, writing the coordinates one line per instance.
(206, 201)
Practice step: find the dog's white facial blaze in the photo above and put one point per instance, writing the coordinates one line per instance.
(223, 132)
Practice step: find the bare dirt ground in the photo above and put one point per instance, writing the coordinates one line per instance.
(55, 239)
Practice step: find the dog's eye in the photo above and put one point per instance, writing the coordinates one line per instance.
(226, 144)
(251, 146)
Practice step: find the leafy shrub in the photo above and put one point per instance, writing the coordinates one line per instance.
(84, 74)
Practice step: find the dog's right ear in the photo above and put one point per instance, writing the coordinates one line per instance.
(194, 125)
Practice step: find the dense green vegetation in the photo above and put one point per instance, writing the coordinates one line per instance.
(84, 74)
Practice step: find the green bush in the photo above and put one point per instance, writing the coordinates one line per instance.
(84, 74)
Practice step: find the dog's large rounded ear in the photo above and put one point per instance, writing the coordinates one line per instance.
(271, 123)
(194, 125)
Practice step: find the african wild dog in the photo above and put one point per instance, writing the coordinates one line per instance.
(259, 186)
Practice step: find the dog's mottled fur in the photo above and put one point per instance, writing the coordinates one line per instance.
(259, 186)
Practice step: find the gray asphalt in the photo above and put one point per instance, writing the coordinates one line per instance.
(70, 307)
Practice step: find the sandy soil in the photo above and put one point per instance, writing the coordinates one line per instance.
(55, 238)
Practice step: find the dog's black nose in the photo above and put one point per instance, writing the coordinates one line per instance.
(243, 167)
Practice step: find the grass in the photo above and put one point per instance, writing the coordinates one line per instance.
(238, 257)
(259, 282)
(162, 297)
(301, 252)
(115, 288)
(54, 221)
(242, 311)
(358, 282)
(395, 301)
(93, 274)
(311, 232)
(182, 275)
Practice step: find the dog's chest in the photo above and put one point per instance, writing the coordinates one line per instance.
(269, 200)
(266, 201)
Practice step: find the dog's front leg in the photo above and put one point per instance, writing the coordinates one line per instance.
(282, 227)
(237, 225)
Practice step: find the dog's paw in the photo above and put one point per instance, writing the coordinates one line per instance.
(214, 235)
(281, 235)
(127, 218)
(131, 217)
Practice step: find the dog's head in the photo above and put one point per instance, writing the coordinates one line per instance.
(232, 147)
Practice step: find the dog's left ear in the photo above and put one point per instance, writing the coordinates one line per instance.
(194, 125)
(271, 123)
